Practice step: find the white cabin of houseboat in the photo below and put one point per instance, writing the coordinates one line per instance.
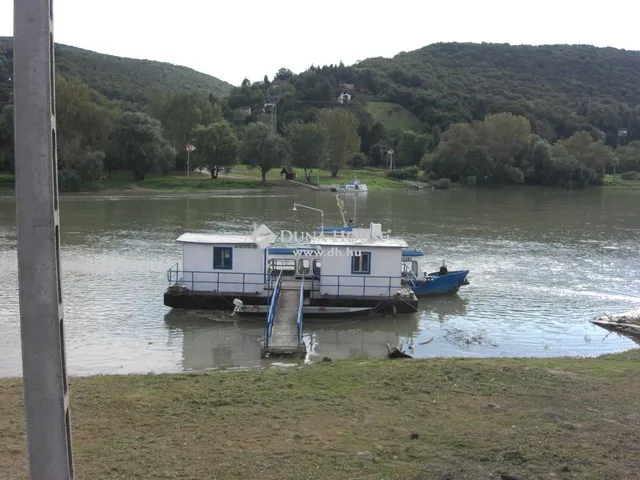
(360, 267)
(224, 263)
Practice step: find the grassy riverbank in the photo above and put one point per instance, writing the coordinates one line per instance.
(616, 181)
(409, 419)
(374, 179)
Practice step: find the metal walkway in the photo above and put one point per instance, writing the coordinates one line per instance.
(283, 333)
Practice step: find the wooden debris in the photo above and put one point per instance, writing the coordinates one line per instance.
(627, 322)
(396, 352)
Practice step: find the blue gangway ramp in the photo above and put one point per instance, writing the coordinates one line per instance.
(284, 320)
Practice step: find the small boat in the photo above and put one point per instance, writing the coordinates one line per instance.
(354, 186)
(423, 284)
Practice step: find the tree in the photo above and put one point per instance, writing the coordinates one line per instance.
(83, 121)
(7, 162)
(138, 141)
(217, 146)
(412, 147)
(342, 129)
(377, 155)
(263, 149)
(309, 142)
(629, 156)
(180, 112)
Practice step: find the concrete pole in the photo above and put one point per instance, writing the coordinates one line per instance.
(43, 346)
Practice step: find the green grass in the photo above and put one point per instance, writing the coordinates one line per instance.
(7, 183)
(198, 183)
(616, 181)
(375, 179)
(407, 419)
(393, 116)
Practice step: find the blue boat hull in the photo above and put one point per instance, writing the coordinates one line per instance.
(436, 284)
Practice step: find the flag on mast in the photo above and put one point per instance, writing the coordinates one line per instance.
(340, 202)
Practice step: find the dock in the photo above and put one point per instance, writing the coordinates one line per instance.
(283, 332)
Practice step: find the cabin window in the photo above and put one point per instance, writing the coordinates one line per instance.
(304, 266)
(361, 264)
(222, 258)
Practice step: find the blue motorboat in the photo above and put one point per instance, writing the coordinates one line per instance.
(442, 282)
(424, 284)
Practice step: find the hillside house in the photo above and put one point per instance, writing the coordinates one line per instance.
(246, 111)
(344, 97)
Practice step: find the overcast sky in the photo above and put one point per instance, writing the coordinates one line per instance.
(247, 38)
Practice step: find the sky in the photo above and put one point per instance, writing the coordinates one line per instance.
(234, 40)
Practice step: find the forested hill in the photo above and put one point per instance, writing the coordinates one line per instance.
(559, 88)
(125, 79)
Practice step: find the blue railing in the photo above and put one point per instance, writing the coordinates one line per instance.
(271, 313)
(236, 282)
(300, 309)
(357, 285)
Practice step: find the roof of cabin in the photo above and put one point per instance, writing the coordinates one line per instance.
(359, 242)
(211, 238)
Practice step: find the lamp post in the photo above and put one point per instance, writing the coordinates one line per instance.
(294, 209)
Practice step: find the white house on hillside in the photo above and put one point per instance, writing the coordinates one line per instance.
(344, 97)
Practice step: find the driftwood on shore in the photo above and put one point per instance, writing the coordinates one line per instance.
(627, 322)
(396, 352)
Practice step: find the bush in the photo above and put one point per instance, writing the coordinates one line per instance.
(515, 175)
(471, 181)
(406, 173)
(630, 175)
(69, 181)
(89, 166)
(359, 160)
(443, 183)
(427, 162)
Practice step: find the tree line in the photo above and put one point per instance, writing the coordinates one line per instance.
(491, 135)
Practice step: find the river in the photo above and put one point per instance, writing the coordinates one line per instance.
(543, 262)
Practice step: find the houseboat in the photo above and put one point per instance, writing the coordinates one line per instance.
(336, 275)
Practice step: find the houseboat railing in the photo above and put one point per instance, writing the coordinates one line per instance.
(271, 313)
(236, 282)
(358, 285)
(251, 283)
(300, 309)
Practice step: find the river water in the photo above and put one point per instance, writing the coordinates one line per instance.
(543, 262)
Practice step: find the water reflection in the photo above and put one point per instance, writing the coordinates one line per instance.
(543, 263)
(218, 340)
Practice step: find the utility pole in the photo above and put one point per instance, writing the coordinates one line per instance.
(273, 103)
(190, 148)
(41, 317)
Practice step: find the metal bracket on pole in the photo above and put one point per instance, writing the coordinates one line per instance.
(41, 320)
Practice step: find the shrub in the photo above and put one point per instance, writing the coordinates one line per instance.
(359, 160)
(89, 166)
(630, 175)
(471, 181)
(406, 173)
(69, 181)
(443, 183)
